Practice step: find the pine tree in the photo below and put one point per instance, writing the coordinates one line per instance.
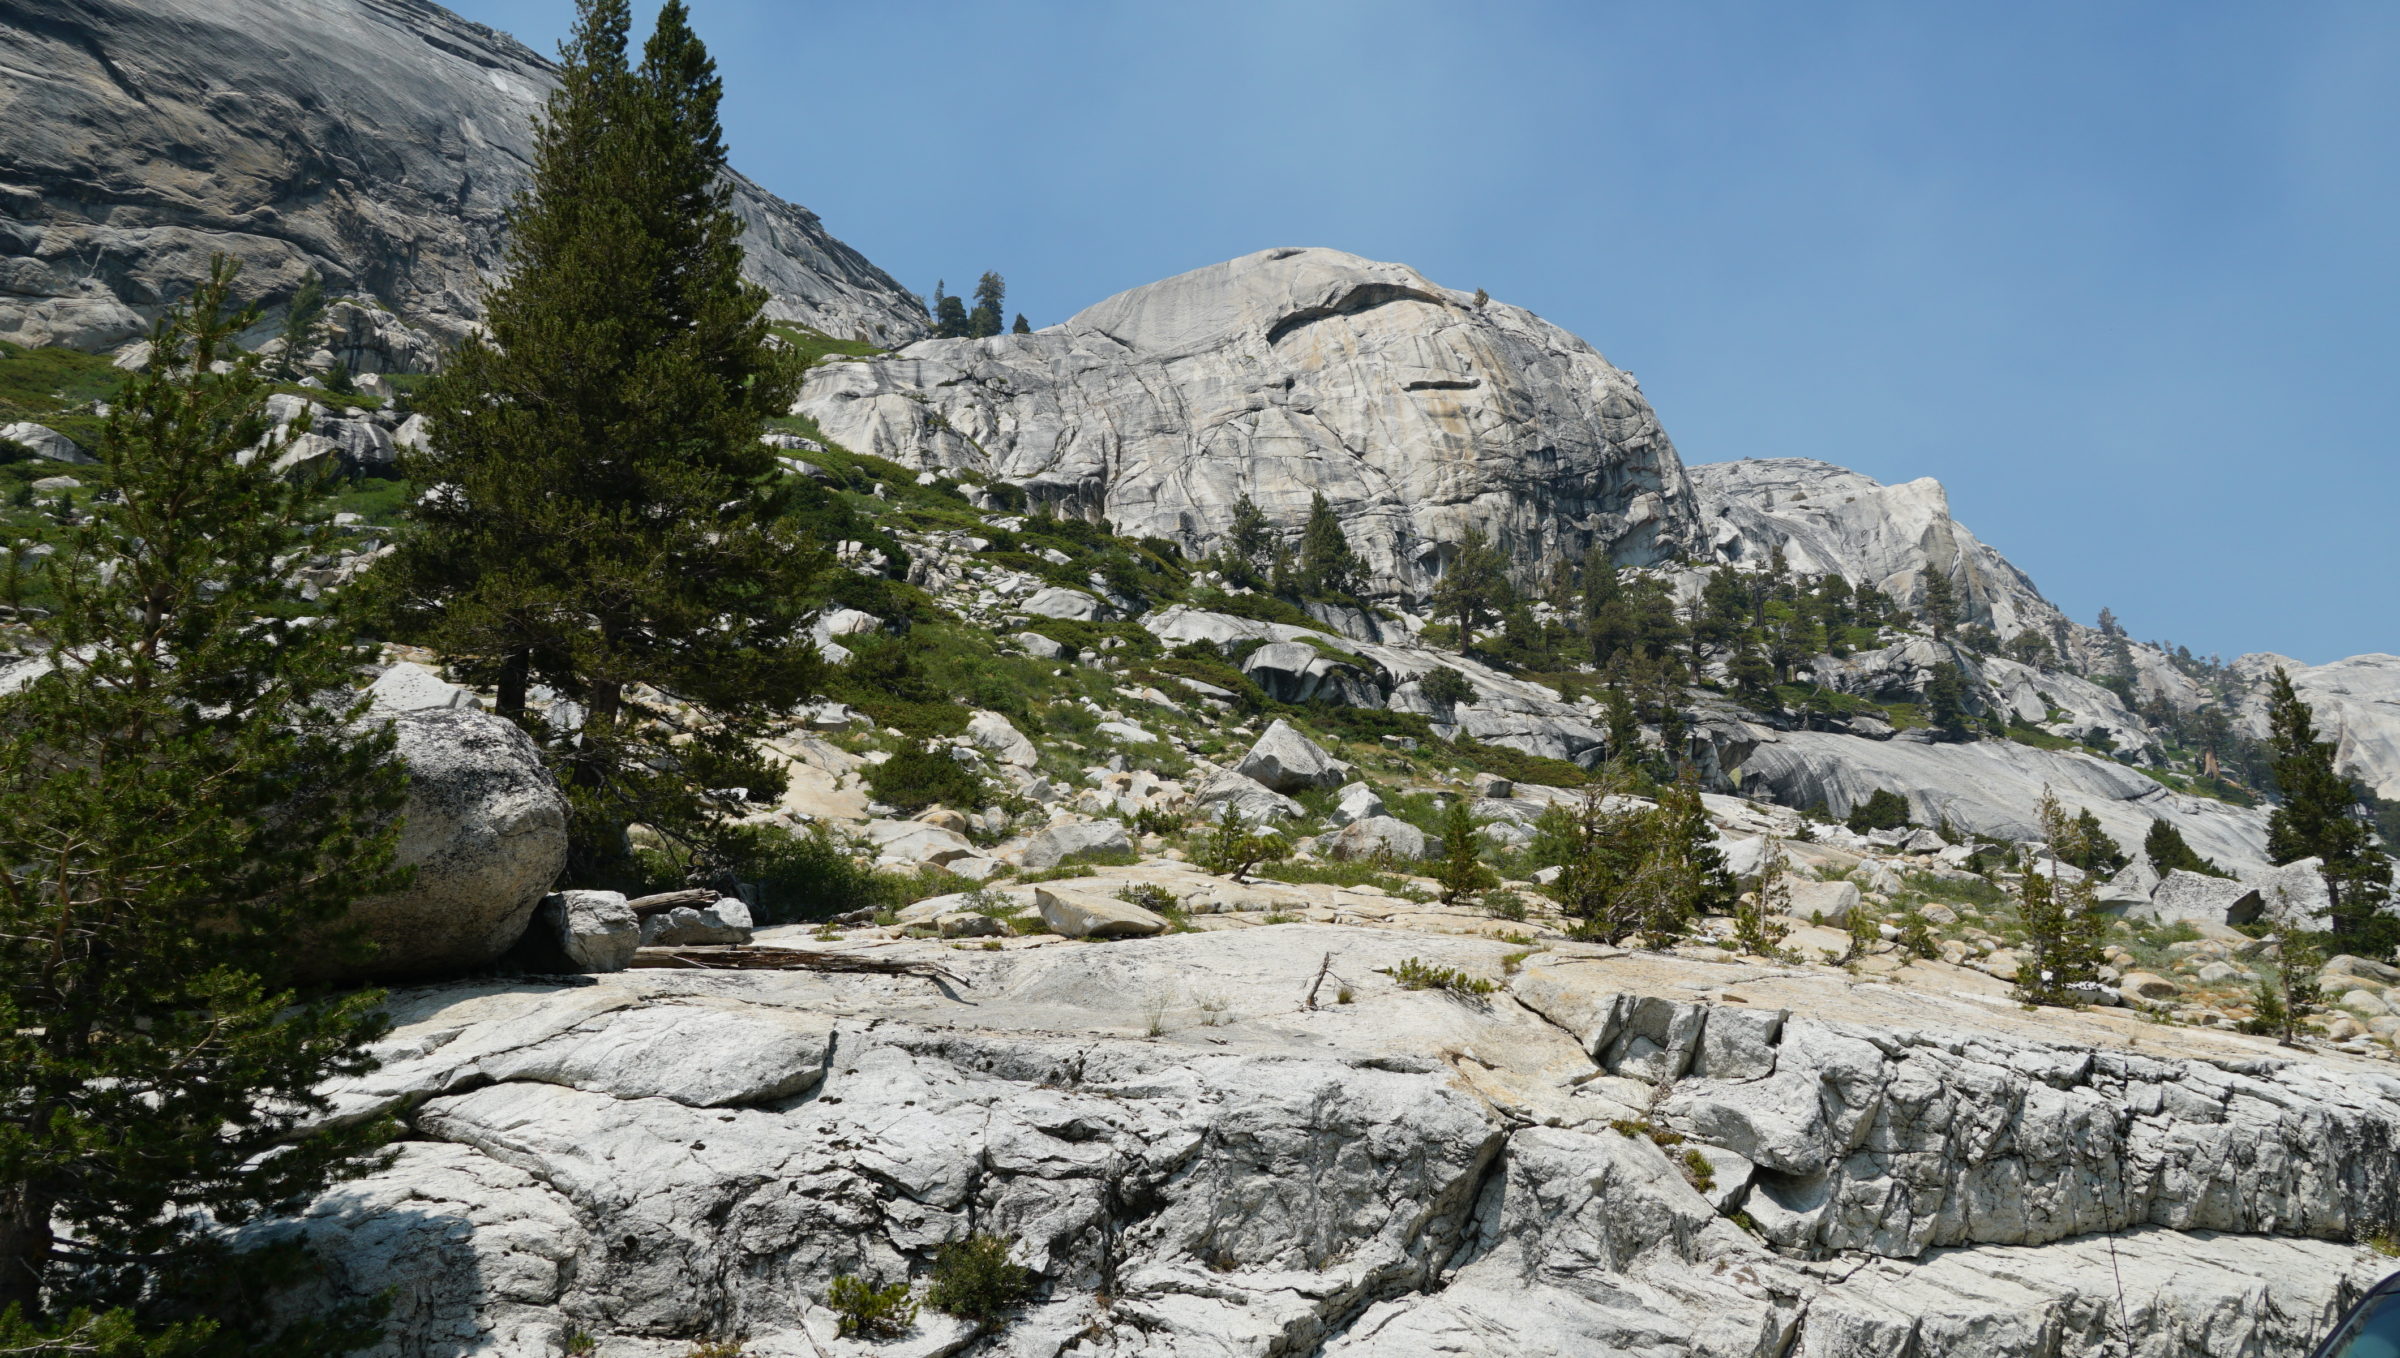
(2063, 922)
(1941, 602)
(1460, 870)
(186, 794)
(1474, 588)
(2319, 818)
(1758, 928)
(604, 522)
(1691, 863)
(1020, 328)
(300, 317)
(1328, 566)
(1249, 543)
(984, 320)
(1946, 702)
(2164, 846)
(1600, 880)
(950, 319)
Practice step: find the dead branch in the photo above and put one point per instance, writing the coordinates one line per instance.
(646, 906)
(740, 958)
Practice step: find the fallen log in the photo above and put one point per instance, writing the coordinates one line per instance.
(737, 957)
(646, 906)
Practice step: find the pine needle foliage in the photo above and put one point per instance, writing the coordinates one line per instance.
(187, 792)
(600, 519)
(2064, 925)
(2320, 817)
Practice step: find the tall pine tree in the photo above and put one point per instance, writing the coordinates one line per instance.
(1328, 565)
(602, 521)
(2319, 818)
(984, 321)
(185, 788)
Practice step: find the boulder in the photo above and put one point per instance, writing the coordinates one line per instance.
(1373, 835)
(1082, 913)
(726, 920)
(45, 442)
(1492, 785)
(410, 687)
(1038, 646)
(579, 931)
(485, 830)
(1055, 602)
(1287, 761)
(1355, 802)
(1832, 900)
(1250, 799)
(2192, 896)
(2144, 985)
(915, 841)
(2294, 893)
(1049, 847)
(996, 736)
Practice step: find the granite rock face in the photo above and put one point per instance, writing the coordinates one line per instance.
(1416, 412)
(2357, 702)
(1830, 520)
(1194, 1160)
(378, 142)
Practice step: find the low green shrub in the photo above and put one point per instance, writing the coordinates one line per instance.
(871, 1312)
(1415, 975)
(916, 778)
(974, 1280)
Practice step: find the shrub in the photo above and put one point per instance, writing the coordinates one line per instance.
(914, 779)
(1507, 905)
(1446, 687)
(871, 1312)
(804, 877)
(1885, 810)
(1698, 1171)
(974, 1280)
(1234, 847)
(1415, 975)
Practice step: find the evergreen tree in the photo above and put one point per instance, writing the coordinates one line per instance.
(604, 522)
(1475, 587)
(1249, 543)
(1020, 328)
(1460, 870)
(984, 320)
(1600, 881)
(1690, 862)
(2164, 846)
(1328, 566)
(1758, 926)
(2030, 648)
(2093, 849)
(1941, 601)
(2319, 818)
(300, 317)
(188, 800)
(1946, 702)
(2063, 922)
(950, 320)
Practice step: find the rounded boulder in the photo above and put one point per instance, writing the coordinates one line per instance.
(486, 831)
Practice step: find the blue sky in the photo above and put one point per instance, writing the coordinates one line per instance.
(2122, 276)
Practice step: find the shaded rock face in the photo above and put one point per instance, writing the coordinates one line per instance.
(1832, 521)
(376, 141)
(1416, 413)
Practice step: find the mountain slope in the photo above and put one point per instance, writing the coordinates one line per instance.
(1416, 410)
(376, 141)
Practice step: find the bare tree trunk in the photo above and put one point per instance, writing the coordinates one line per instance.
(25, 1241)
